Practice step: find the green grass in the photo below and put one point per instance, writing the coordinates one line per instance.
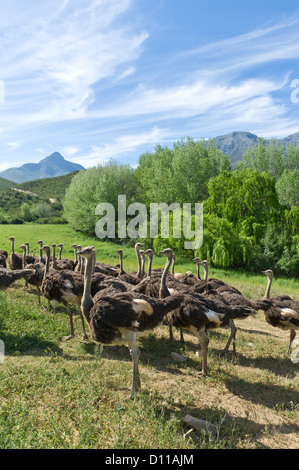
(73, 394)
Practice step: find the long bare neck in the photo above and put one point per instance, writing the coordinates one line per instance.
(13, 246)
(47, 267)
(139, 275)
(40, 254)
(142, 265)
(27, 248)
(149, 268)
(164, 292)
(121, 271)
(75, 255)
(60, 252)
(198, 271)
(173, 263)
(24, 258)
(206, 271)
(87, 301)
(267, 293)
(54, 258)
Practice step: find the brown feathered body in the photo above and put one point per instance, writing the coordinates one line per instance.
(9, 277)
(114, 319)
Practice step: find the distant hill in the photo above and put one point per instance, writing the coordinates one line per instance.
(47, 188)
(235, 144)
(5, 184)
(52, 166)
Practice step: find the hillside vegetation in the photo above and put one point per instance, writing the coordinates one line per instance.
(5, 184)
(38, 200)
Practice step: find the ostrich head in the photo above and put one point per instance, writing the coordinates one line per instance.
(46, 249)
(166, 252)
(149, 252)
(268, 273)
(87, 252)
(196, 260)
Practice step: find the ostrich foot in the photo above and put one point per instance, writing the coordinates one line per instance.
(67, 338)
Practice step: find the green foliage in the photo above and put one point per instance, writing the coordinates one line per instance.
(181, 174)
(287, 187)
(267, 157)
(6, 184)
(93, 186)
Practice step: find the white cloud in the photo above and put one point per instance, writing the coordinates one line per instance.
(121, 146)
(52, 62)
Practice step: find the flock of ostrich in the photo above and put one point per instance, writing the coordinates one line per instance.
(118, 307)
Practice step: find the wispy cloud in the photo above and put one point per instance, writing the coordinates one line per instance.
(61, 57)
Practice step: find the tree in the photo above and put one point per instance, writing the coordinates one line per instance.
(180, 174)
(264, 156)
(287, 188)
(91, 187)
(26, 212)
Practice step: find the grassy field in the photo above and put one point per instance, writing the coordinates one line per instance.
(73, 394)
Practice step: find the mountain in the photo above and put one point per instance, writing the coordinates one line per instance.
(51, 166)
(235, 143)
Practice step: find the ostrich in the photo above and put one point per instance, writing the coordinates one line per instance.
(4, 253)
(69, 262)
(280, 311)
(30, 259)
(60, 265)
(9, 277)
(122, 275)
(121, 318)
(38, 268)
(63, 286)
(197, 261)
(217, 284)
(2, 261)
(15, 260)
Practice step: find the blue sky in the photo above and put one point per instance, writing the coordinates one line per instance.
(111, 79)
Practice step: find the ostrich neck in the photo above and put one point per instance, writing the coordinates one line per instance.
(47, 264)
(139, 264)
(40, 254)
(75, 255)
(173, 263)
(198, 271)
(164, 292)
(60, 253)
(24, 258)
(206, 273)
(149, 269)
(54, 259)
(87, 301)
(267, 293)
(142, 266)
(27, 249)
(13, 246)
(121, 270)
